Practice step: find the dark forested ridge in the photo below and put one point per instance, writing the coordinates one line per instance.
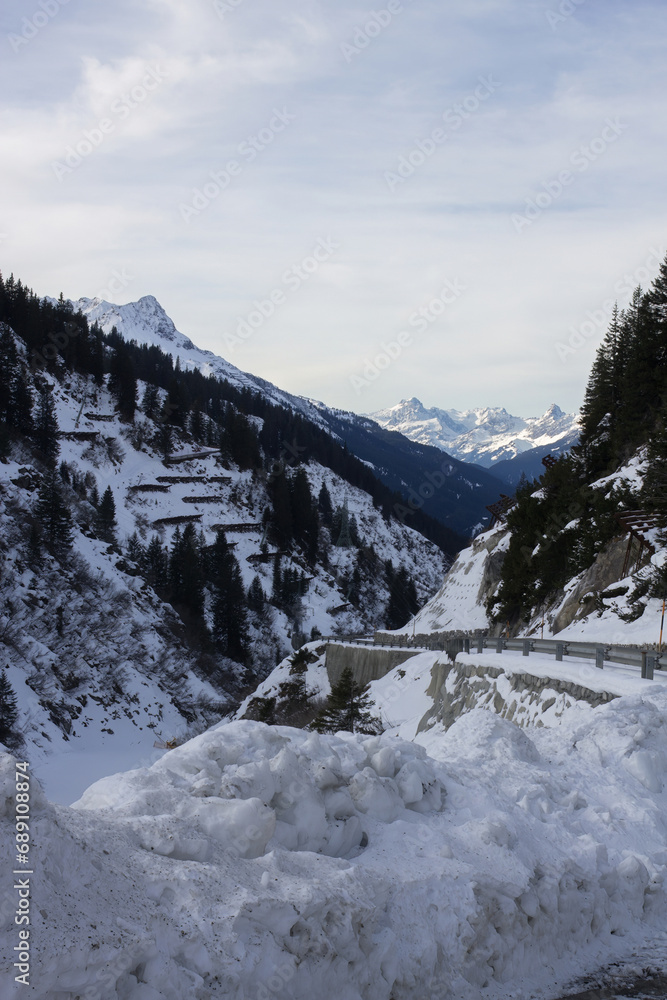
(558, 530)
(448, 489)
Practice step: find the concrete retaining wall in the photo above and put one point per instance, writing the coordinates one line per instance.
(368, 663)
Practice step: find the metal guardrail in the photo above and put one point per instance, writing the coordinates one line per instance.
(644, 658)
(647, 661)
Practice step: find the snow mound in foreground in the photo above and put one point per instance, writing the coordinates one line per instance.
(253, 788)
(213, 874)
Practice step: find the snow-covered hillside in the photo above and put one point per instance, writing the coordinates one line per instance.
(98, 662)
(460, 603)
(599, 604)
(484, 435)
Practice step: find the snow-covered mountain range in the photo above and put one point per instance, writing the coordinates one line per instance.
(402, 464)
(485, 435)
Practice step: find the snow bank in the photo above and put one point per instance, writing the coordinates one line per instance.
(257, 862)
(253, 788)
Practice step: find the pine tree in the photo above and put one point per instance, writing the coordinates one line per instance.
(344, 540)
(197, 425)
(165, 440)
(53, 514)
(230, 629)
(304, 514)
(122, 382)
(256, 596)
(277, 582)
(347, 708)
(106, 516)
(150, 402)
(294, 690)
(640, 383)
(9, 714)
(282, 525)
(192, 571)
(156, 564)
(654, 489)
(93, 492)
(324, 505)
(45, 431)
(4, 442)
(20, 415)
(135, 550)
(8, 366)
(658, 296)
(602, 390)
(186, 572)
(175, 408)
(403, 603)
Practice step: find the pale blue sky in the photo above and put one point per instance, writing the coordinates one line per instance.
(157, 95)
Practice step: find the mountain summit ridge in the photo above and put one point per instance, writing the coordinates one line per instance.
(483, 435)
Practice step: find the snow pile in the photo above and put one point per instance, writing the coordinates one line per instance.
(253, 788)
(259, 862)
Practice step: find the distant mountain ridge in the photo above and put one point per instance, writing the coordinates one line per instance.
(401, 463)
(487, 436)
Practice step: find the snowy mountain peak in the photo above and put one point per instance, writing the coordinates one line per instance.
(484, 435)
(144, 320)
(554, 412)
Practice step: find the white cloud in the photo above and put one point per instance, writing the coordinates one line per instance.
(324, 174)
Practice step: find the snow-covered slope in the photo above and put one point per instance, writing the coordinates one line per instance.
(459, 604)
(101, 665)
(484, 435)
(599, 604)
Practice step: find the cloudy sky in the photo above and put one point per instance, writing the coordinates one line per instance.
(359, 203)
